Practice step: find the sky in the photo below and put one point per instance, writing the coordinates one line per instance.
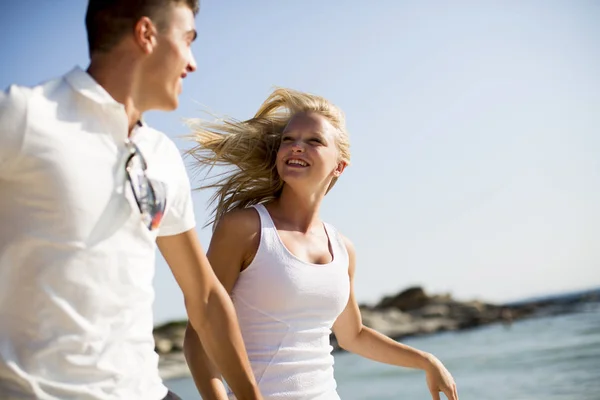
(474, 126)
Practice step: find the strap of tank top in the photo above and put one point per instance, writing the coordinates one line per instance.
(338, 244)
(265, 218)
(268, 233)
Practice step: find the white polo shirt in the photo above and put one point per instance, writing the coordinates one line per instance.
(76, 261)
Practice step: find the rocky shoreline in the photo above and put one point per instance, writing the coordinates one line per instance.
(411, 312)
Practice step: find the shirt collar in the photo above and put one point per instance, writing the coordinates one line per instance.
(84, 84)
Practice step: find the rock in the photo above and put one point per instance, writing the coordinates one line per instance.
(434, 311)
(163, 346)
(390, 322)
(409, 299)
(169, 337)
(410, 312)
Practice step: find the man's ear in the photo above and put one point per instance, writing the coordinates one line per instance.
(341, 166)
(145, 34)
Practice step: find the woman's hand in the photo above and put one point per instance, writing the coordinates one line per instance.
(440, 380)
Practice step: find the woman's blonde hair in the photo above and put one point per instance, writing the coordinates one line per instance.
(251, 148)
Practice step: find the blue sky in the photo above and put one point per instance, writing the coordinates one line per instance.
(475, 127)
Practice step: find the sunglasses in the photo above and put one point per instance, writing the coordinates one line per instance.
(150, 195)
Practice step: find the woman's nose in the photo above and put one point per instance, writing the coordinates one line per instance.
(297, 147)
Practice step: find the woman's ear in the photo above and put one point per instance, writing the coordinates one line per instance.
(341, 166)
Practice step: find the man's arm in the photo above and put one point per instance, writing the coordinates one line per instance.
(210, 311)
(232, 247)
(206, 375)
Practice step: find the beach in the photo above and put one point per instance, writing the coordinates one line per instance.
(543, 358)
(552, 352)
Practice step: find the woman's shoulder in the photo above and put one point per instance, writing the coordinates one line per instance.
(240, 222)
(238, 232)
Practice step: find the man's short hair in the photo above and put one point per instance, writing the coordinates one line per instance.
(108, 21)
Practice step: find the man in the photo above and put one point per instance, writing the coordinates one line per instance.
(86, 190)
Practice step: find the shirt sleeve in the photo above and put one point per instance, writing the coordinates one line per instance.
(179, 216)
(13, 112)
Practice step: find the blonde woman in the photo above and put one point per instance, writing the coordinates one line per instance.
(290, 274)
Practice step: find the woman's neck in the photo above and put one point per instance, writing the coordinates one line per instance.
(298, 211)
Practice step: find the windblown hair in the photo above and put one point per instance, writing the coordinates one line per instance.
(251, 146)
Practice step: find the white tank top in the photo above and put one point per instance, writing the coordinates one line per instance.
(286, 308)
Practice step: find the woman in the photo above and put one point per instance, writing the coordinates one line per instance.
(290, 275)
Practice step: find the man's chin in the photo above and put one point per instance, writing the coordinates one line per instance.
(173, 106)
(169, 105)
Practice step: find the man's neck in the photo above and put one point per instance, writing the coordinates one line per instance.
(114, 72)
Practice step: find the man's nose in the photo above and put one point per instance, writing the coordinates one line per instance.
(191, 67)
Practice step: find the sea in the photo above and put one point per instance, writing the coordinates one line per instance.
(552, 357)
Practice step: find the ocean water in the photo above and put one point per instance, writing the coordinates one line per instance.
(542, 358)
